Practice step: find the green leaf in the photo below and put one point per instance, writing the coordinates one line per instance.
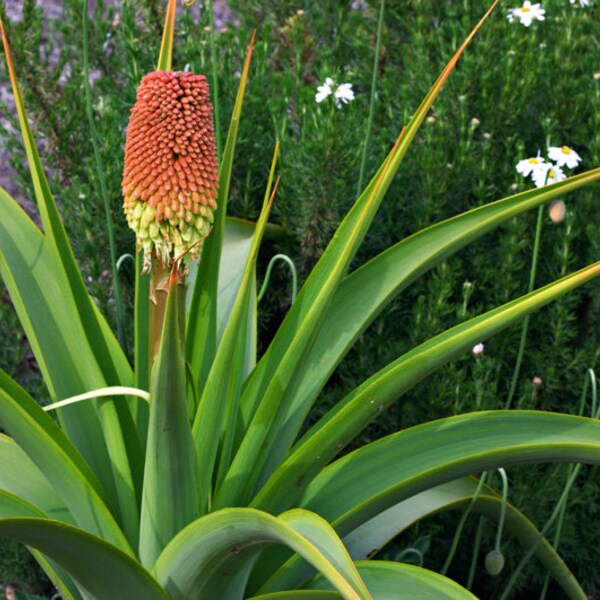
(265, 399)
(12, 505)
(237, 242)
(366, 291)
(166, 46)
(20, 476)
(170, 495)
(218, 409)
(299, 595)
(364, 541)
(326, 439)
(54, 455)
(201, 342)
(359, 486)
(80, 332)
(99, 569)
(211, 557)
(31, 271)
(397, 581)
(101, 339)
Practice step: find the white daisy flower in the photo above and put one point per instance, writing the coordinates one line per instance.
(564, 156)
(529, 165)
(547, 175)
(324, 90)
(343, 94)
(527, 14)
(582, 3)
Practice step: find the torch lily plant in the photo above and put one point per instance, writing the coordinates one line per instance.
(185, 476)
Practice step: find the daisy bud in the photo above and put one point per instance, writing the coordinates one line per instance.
(170, 179)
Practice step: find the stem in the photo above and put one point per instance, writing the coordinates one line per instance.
(540, 537)
(215, 80)
(363, 162)
(475, 556)
(534, 260)
(102, 179)
(461, 524)
(502, 509)
(563, 507)
(290, 263)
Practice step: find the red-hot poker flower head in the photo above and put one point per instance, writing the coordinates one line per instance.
(170, 179)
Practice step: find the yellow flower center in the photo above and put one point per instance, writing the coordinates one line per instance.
(533, 161)
(525, 9)
(550, 174)
(566, 150)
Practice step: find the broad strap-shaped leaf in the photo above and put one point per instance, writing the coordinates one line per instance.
(99, 569)
(237, 242)
(366, 291)
(365, 540)
(201, 342)
(54, 455)
(80, 329)
(12, 505)
(327, 438)
(20, 476)
(211, 557)
(358, 486)
(265, 398)
(31, 272)
(398, 581)
(107, 352)
(217, 413)
(170, 495)
(299, 595)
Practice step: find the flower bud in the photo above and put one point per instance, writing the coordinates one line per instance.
(494, 562)
(170, 179)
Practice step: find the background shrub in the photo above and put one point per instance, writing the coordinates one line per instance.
(515, 91)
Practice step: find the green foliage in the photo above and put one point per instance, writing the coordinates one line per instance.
(547, 95)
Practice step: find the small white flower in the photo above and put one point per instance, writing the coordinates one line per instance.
(547, 175)
(527, 14)
(478, 350)
(343, 94)
(582, 3)
(528, 165)
(564, 156)
(324, 90)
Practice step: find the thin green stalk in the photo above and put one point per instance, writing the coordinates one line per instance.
(102, 180)
(365, 152)
(475, 556)
(515, 574)
(563, 506)
(215, 80)
(461, 524)
(534, 261)
(502, 509)
(292, 267)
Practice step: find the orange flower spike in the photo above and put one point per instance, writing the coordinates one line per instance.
(170, 179)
